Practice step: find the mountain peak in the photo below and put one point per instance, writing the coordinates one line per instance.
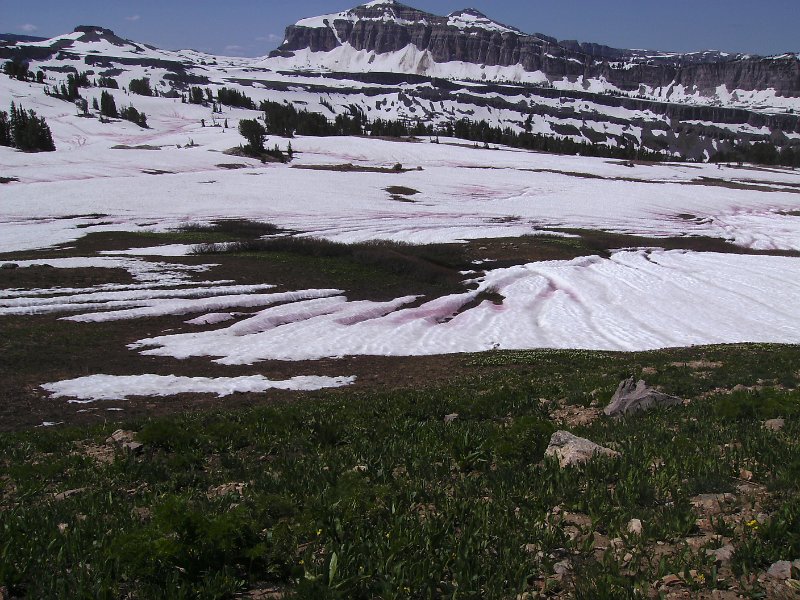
(473, 18)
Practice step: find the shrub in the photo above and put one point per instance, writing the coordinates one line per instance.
(754, 405)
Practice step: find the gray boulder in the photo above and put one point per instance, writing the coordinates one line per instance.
(632, 397)
(572, 450)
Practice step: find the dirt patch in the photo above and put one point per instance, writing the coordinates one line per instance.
(401, 190)
(157, 172)
(43, 276)
(8, 179)
(140, 147)
(749, 185)
(232, 166)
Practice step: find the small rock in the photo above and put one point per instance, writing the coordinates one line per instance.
(360, 468)
(635, 527)
(9, 266)
(780, 570)
(722, 555)
(745, 474)
(561, 568)
(450, 418)
(572, 450)
(125, 441)
(68, 493)
(226, 489)
(710, 504)
(62, 528)
(670, 580)
(142, 513)
(775, 424)
(627, 558)
(632, 397)
(530, 548)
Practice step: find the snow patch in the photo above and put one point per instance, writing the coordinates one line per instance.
(120, 387)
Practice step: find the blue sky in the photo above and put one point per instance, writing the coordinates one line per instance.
(254, 27)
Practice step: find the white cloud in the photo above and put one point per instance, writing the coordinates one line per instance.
(133, 18)
(234, 48)
(28, 28)
(272, 37)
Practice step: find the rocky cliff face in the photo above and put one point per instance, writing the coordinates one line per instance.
(385, 27)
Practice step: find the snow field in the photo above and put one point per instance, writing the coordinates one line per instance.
(636, 300)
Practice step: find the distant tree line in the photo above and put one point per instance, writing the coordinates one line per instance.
(285, 120)
(230, 97)
(761, 153)
(25, 130)
(16, 69)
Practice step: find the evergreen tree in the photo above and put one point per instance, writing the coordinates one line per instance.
(5, 129)
(108, 108)
(25, 131)
(129, 113)
(196, 95)
(254, 133)
(140, 87)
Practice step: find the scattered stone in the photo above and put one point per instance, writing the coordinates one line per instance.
(745, 474)
(572, 450)
(269, 593)
(780, 570)
(775, 424)
(577, 519)
(711, 504)
(670, 580)
(9, 266)
(226, 489)
(627, 558)
(450, 418)
(142, 513)
(562, 568)
(722, 555)
(360, 468)
(635, 527)
(632, 397)
(100, 454)
(124, 440)
(64, 495)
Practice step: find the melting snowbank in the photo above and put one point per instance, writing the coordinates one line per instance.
(636, 300)
(121, 387)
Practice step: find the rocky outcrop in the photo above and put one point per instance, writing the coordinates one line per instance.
(471, 37)
(632, 397)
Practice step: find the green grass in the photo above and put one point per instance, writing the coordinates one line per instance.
(372, 495)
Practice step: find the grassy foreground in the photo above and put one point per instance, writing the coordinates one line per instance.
(373, 495)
